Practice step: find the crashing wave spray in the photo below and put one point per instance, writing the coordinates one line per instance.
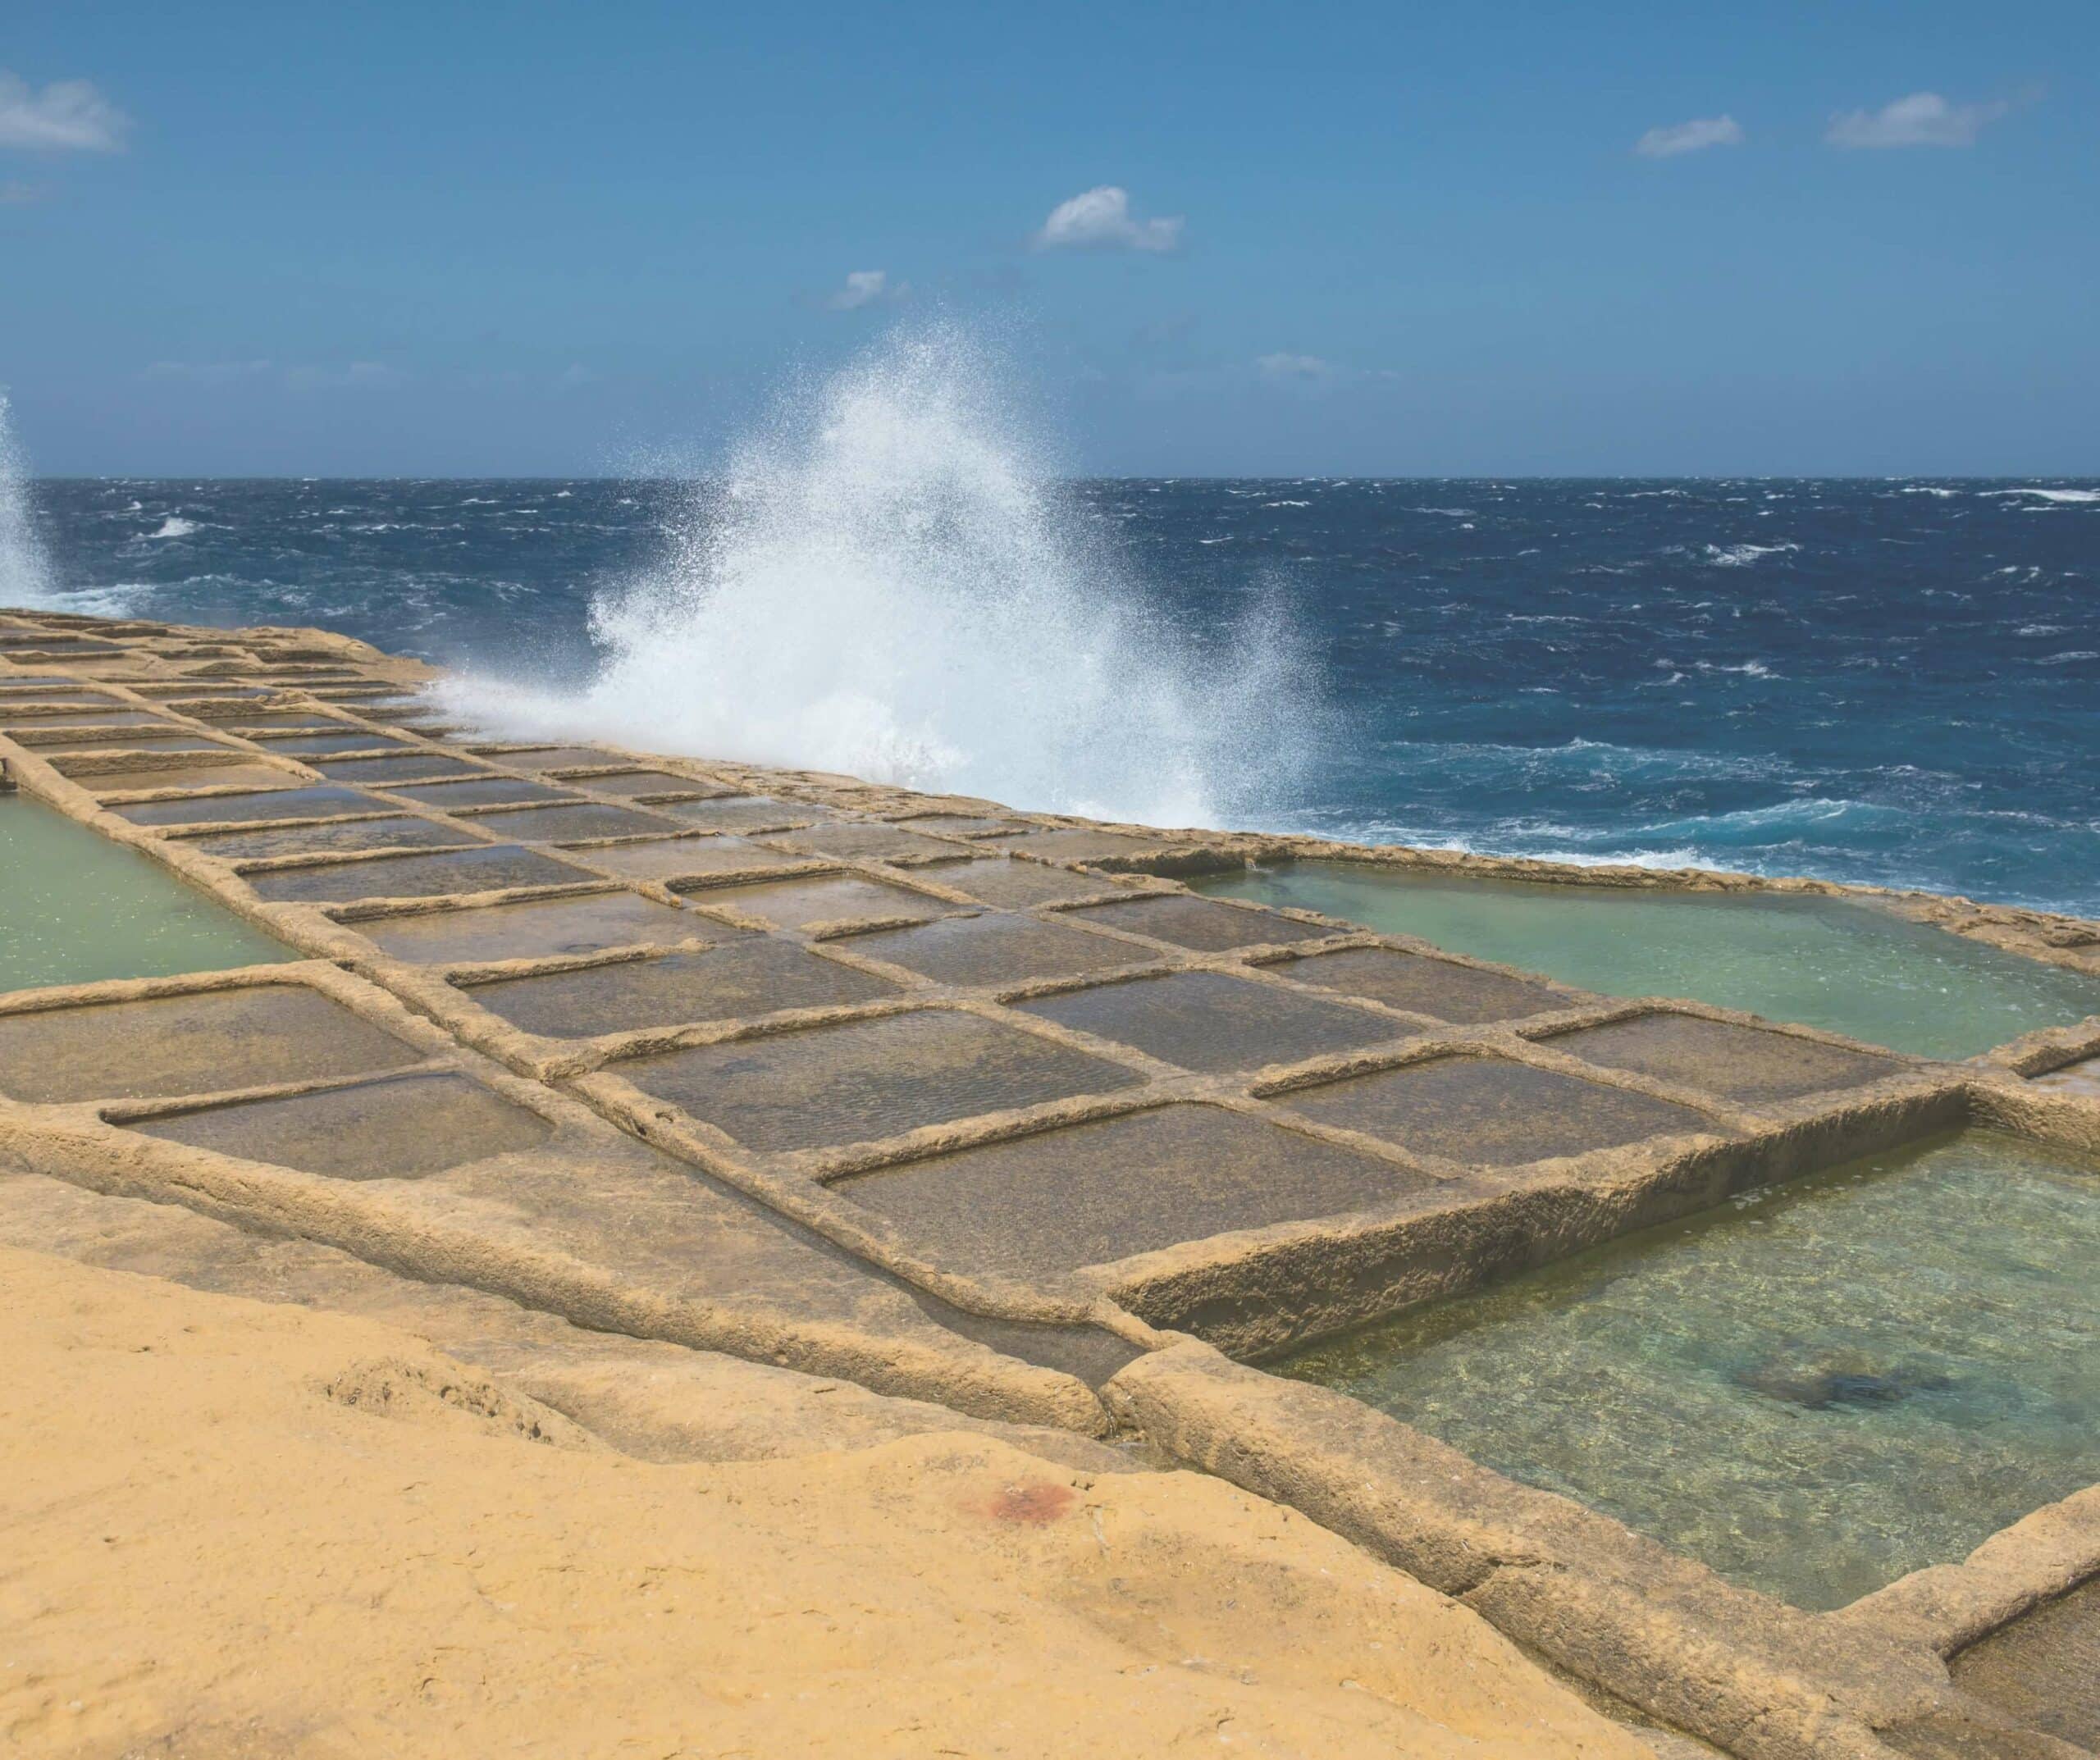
(887, 586)
(24, 580)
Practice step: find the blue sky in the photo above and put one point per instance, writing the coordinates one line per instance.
(438, 239)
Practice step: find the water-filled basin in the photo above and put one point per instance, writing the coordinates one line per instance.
(1813, 1389)
(1844, 964)
(75, 907)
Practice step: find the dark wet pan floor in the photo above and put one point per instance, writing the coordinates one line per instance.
(867, 1079)
(1093, 1193)
(836, 898)
(996, 950)
(346, 837)
(404, 1129)
(198, 1044)
(496, 867)
(1718, 1057)
(535, 930)
(1208, 1022)
(1200, 924)
(1490, 1111)
(230, 809)
(1439, 988)
(747, 977)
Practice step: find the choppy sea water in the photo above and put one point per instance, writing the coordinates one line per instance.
(1887, 681)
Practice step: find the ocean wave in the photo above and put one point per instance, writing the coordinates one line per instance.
(892, 589)
(2070, 497)
(123, 599)
(1591, 757)
(1759, 824)
(1743, 555)
(173, 526)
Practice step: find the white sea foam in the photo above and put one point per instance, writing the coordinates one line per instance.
(2070, 497)
(1742, 555)
(886, 584)
(24, 576)
(174, 526)
(123, 599)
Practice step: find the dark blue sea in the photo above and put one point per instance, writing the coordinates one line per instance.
(1891, 681)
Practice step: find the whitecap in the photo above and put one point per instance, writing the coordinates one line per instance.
(1742, 555)
(2073, 497)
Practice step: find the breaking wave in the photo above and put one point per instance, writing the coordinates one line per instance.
(24, 576)
(886, 582)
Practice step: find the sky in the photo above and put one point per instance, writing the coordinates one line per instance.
(1214, 240)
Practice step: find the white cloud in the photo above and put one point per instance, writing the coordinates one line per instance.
(1294, 369)
(1101, 220)
(1695, 136)
(206, 373)
(1924, 119)
(576, 374)
(865, 287)
(67, 116)
(16, 193)
(355, 376)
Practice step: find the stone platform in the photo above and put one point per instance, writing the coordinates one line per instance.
(961, 1105)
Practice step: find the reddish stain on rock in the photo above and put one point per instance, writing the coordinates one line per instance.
(1033, 1504)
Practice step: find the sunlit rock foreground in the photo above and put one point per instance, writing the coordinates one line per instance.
(684, 1257)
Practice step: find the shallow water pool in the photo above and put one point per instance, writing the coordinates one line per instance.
(75, 907)
(1842, 965)
(1813, 1389)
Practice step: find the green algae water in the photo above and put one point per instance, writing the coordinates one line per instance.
(75, 907)
(1813, 1389)
(1842, 965)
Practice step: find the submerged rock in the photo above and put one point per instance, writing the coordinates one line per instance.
(1816, 1382)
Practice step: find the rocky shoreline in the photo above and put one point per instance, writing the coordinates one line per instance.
(724, 1112)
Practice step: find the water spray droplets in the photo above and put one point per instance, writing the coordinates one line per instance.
(24, 576)
(888, 584)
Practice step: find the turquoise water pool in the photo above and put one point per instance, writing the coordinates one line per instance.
(1845, 965)
(75, 907)
(1813, 1389)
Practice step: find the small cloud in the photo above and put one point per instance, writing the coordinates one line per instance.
(576, 374)
(18, 194)
(1695, 136)
(1924, 119)
(865, 287)
(67, 116)
(205, 372)
(1165, 332)
(1101, 220)
(357, 376)
(1294, 369)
